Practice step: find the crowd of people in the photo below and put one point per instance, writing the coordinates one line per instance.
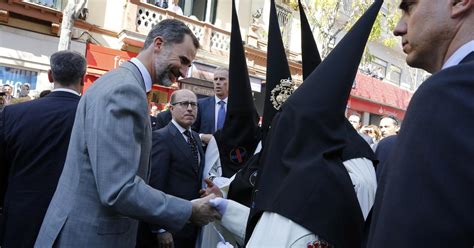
(96, 170)
(171, 5)
(7, 97)
(389, 125)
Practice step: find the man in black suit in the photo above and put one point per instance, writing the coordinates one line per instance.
(177, 162)
(212, 110)
(383, 151)
(163, 118)
(389, 125)
(34, 138)
(425, 194)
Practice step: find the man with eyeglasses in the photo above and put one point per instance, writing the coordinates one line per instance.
(176, 168)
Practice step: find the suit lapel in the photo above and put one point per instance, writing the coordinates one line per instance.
(468, 58)
(201, 153)
(212, 113)
(198, 144)
(179, 141)
(136, 72)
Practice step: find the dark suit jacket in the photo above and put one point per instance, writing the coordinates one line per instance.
(206, 117)
(425, 195)
(384, 148)
(34, 137)
(173, 172)
(153, 122)
(162, 119)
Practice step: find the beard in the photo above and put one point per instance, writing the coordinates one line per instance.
(162, 70)
(163, 76)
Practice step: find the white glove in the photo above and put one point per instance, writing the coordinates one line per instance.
(220, 204)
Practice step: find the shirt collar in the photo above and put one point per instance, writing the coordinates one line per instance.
(179, 127)
(66, 90)
(218, 100)
(459, 55)
(145, 74)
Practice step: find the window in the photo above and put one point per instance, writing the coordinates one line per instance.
(395, 74)
(378, 68)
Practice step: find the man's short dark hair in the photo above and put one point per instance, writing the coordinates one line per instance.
(173, 98)
(44, 93)
(396, 122)
(172, 31)
(68, 67)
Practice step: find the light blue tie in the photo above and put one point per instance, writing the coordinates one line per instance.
(221, 115)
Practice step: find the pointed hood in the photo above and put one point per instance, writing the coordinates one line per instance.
(302, 177)
(325, 92)
(356, 146)
(277, 69)
(309, 49)
(277, 66)
(239, 137)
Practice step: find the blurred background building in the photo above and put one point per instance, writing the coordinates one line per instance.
(109, 32)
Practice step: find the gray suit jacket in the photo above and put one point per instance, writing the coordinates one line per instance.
(103, 190)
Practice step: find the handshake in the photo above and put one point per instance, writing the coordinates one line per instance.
(210, 207)
(203, 212)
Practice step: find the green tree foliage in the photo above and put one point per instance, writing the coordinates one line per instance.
(331, 17)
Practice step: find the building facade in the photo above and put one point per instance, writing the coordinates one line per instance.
(113, 31)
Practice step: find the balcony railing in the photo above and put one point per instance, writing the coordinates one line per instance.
(211, 38)
(54, 4)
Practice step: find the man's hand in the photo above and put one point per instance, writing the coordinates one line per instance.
(211, 189)
(165, 240)
(205, 138)
(202, 212)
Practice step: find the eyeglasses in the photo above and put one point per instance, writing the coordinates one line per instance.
(185, 104)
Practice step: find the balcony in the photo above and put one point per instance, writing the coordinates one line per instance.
(53, 4)
(215, 42)
(212, 39)
(48, 12)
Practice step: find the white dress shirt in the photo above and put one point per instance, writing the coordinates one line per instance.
(274, 230)
(66, 90)
(145, 74)
(459, 55)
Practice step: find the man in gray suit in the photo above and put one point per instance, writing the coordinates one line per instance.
(103, 190)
